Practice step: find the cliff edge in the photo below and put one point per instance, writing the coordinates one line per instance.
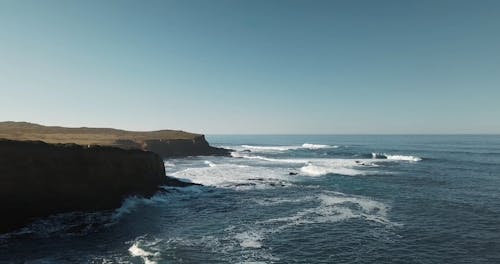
(166, 143)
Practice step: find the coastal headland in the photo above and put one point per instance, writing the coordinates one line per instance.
(47, 170)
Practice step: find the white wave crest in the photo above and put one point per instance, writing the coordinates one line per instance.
(401, 157)
(395, 157)
(316, 146)
(270, 148)
(128, 206)
(348, 167)
(257, 157)
(133, 202)
(319, 170)
(137, 250)
(286, 148)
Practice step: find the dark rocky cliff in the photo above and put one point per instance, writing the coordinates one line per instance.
(182, 147)
(38, 179)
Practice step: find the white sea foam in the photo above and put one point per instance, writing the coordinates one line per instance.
(317, 166)
(320, 167)
(136, 251)
(168, 164)
(405, 158)
(270, 148)
(250, 239)
(286, 148)
(209, 163)
(148, 256)
(325, 207)
(257, 157)
(334, 207)
(324, 169)
(395, 157)
(316, 146)
(260, 174)
(235, 176)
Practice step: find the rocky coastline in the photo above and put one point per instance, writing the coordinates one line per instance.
(43, 177)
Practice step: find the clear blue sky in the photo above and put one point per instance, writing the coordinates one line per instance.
(253, 66)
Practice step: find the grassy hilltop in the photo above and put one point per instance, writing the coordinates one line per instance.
(84, 135)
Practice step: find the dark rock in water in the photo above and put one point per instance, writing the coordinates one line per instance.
(173, 182)
(182, 147)
(247, 150)
(245, 184)
(38, 179)
(292, 173)
(275, 184)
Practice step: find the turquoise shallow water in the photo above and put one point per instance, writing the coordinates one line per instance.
(297, 199)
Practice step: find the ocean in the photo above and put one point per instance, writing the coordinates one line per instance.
(296, 199)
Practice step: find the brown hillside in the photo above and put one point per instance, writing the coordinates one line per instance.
(85, 135)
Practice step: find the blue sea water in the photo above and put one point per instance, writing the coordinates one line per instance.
(297, 199)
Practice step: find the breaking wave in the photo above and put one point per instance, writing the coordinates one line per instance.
(395, 157)
(270, 148)
(318, 166)
(316, 146)
(235, 176)
(286, 148)
(264, 173)
(319, 170)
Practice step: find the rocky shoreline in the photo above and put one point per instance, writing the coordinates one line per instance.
(39, 179)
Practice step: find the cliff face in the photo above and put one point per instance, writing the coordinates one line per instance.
(182, 147)
(38, 179)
